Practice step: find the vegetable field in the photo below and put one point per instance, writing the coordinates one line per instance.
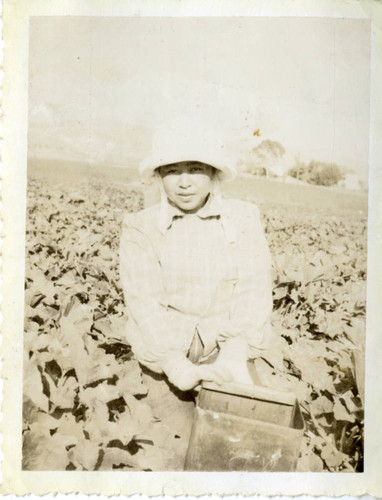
(84, 396)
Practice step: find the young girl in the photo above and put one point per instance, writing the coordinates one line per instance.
(195, 268)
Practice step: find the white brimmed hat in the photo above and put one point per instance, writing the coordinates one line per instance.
(187, 139)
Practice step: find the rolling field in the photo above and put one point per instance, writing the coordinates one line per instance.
(84, 397)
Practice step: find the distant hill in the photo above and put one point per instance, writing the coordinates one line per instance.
(301, 196)
(246, 187)
(69, 169)
(102, 143)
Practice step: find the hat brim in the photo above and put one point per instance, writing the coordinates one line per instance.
(226, 172)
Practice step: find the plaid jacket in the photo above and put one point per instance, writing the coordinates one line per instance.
(208, 272)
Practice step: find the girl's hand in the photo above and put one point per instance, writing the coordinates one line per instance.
(239, 369)
(216, 373)
(233, 357)
(192, 376)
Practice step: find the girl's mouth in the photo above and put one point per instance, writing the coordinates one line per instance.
(186, 197)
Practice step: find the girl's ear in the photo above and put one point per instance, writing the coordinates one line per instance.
(216, 186)
(157, 173)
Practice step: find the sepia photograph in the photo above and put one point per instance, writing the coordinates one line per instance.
(196, 244)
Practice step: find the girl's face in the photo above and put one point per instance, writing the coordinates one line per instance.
(187, 184)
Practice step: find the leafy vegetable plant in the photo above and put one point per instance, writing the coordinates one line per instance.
(84, 396)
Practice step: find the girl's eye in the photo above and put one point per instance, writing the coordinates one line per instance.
(197, 170)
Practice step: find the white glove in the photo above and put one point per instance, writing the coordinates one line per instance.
(185, 375)
(233, 356)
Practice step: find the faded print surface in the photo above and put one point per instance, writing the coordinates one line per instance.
(296, 127)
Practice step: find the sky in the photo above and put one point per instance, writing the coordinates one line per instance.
(101, 86)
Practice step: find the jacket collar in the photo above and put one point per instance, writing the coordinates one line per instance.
(168, 213)
(213, 208)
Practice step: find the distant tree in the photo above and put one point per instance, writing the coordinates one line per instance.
(317, 172)
(265, 156)
(297, 161)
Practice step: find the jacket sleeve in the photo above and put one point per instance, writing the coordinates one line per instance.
(251, 307)
(141, 279)
(252, 302)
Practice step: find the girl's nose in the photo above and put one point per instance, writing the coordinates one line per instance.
(184, 180)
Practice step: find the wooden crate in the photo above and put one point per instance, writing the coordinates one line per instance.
(245, 428)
